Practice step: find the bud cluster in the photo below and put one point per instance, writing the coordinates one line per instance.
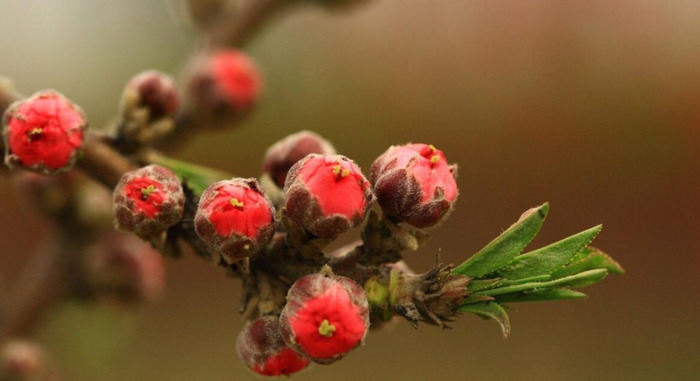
(325, 317)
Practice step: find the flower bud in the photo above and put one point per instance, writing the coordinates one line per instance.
(222, 86)
(148, 201)
(43, 133)
(281, 156)
(414, 184)
(262, 349)
(25, 361)
(151, 93)
(124, 269)
(326, 316)
(326, 194)
(235, 218)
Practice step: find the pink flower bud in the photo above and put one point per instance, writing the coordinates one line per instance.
(43, 133)
(262, 349)
(414, 184)
(148, 201)
(122, 268)
(327, 194)
(235, 218)
(151, 91)
(281, 156)
(326, 316)
(223, 85)
(24, 360)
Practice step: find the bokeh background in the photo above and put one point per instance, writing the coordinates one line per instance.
(593, 106)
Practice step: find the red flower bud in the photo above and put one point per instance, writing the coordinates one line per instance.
(43, 133)
(223, 85)
(124, 269)
(262, 349)
(281, 156)
(414, 184)
(235, 218)
(152, 92)
(326, 316)
(148, 201)
(327, 194)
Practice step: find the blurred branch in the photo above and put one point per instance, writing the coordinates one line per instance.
(238, 26)
(44, 283)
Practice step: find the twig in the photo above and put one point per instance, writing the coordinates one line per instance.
(237, 29)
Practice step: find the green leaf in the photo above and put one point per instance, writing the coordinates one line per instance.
(506, 246)
(583, 279)
(588, 259)
(545, 260)
(489, 310)
(196, 176)
(482, 284)
(486, 284)
(541, 296)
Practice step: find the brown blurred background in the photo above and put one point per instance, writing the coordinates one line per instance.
(593, 106)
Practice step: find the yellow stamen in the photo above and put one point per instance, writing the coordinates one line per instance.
(432, 148)
(435, 159)
(238, 204)
(145, 192)
(326, 329)
(338, 170)
(34, 133)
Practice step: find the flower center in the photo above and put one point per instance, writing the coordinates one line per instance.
(146, 192)
(238, 204)
(430, 153)
(338, 170)
(34, 134)
(326, 329)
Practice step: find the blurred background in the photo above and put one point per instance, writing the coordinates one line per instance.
(592, 106)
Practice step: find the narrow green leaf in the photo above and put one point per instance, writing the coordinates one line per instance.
(583, 279)
(588, 259)
(482, 284)
(506, 246)
(549, 258)
(490, 310)
(487, 284)
(541, 296)
(196, 176)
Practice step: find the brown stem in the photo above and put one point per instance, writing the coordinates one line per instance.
(237, 29)
(102, 162)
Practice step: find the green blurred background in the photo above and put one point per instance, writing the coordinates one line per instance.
(591, 105)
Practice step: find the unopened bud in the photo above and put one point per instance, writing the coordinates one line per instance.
(262, 349)
(25, 361)
(414, 184)
(148, 201)
(326, 316)
(327, 194)
(124, 269)
(223, 86)
(235, 218)
(281, 156)
(43, 133)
